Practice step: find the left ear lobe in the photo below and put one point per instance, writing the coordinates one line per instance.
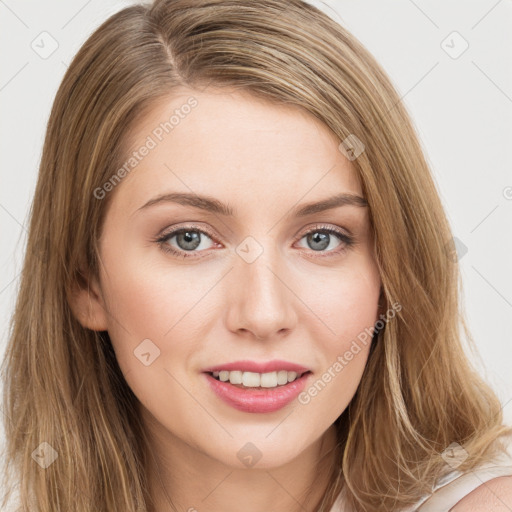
(87, 304)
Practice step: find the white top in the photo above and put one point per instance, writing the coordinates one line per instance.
(456, 485)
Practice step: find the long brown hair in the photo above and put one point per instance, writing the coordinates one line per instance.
(63, 389)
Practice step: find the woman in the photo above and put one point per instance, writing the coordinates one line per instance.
(239, 288)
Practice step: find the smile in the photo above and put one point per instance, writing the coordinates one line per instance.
(257, 393)
(257, 380)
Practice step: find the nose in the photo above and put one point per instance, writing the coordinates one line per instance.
(260, 300)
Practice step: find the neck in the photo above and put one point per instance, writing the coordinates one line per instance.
(181, 477)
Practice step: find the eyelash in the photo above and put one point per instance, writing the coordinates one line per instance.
(347, 241)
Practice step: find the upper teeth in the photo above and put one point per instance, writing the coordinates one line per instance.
(255, 380)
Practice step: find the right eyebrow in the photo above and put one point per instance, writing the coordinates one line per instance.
(202, 202)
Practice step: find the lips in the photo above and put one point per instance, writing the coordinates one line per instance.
(258, 367)
(257, 400)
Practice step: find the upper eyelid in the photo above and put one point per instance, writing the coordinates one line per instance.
(336, 230)
(174, 231)
(347, 241)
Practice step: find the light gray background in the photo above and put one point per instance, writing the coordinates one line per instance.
(461, 107)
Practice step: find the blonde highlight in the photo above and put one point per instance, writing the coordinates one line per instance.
(62, 384)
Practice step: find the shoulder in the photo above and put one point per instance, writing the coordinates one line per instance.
(494, 495)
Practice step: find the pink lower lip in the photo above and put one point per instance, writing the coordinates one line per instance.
(256, 399)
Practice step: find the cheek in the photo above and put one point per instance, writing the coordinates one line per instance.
(345, 303)
(347, 309)
(152, 332)
(146, 301)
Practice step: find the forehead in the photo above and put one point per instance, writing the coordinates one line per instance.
(232, 144)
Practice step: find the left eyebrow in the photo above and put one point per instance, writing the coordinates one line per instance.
(329, 203)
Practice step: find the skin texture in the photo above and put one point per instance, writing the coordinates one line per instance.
(293, 302)
(494, 495)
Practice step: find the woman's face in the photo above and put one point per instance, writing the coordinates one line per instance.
(249, 279)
